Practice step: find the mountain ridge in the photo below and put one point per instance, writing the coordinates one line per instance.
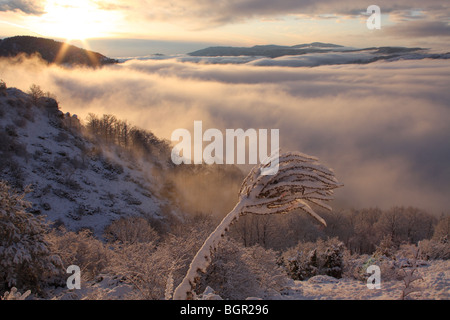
(277, 51)
(270, 51)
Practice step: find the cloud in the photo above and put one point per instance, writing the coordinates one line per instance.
(314, 60)
(26, 6)
(421, 28)
(383, 126)
(204, 14)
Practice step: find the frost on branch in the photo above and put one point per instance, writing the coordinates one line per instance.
(300, 181)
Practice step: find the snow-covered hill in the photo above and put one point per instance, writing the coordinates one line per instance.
(74, 180)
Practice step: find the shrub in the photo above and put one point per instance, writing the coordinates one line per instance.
(237, 272)
(333, 263)
(434, 249)
(386, 248)
(26, 262)
(80, 249)
(310, 259)
(145, 267)
(356, 266)
(301, 261)
(151, 268)
(131, 230)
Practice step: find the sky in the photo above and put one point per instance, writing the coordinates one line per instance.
(139, 27)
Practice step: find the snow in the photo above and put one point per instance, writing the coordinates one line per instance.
(91, 195)
(104, 287)
(434, 286)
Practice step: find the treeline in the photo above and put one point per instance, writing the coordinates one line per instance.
(111, 130)
(360, 230)
(363, 230)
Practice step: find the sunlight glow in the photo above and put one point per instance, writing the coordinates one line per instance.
(75, 20)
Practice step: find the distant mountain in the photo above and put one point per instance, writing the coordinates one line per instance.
(275, 51)
(52, 51)
(270, 51)
(318, 45)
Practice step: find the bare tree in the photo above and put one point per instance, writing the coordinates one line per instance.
(35, 93)
(300, 181)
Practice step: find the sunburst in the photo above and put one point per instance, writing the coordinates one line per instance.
(75, 20)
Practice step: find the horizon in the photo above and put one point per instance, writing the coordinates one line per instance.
(137, 48)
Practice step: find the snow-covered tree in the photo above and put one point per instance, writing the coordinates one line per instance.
(25, 259)
(300, 181)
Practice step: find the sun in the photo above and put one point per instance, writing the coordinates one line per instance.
(75, 20)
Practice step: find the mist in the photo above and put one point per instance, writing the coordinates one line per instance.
(383, 127)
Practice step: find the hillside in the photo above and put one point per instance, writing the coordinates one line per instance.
(74, 182)
(79, 180)
(52, 51)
